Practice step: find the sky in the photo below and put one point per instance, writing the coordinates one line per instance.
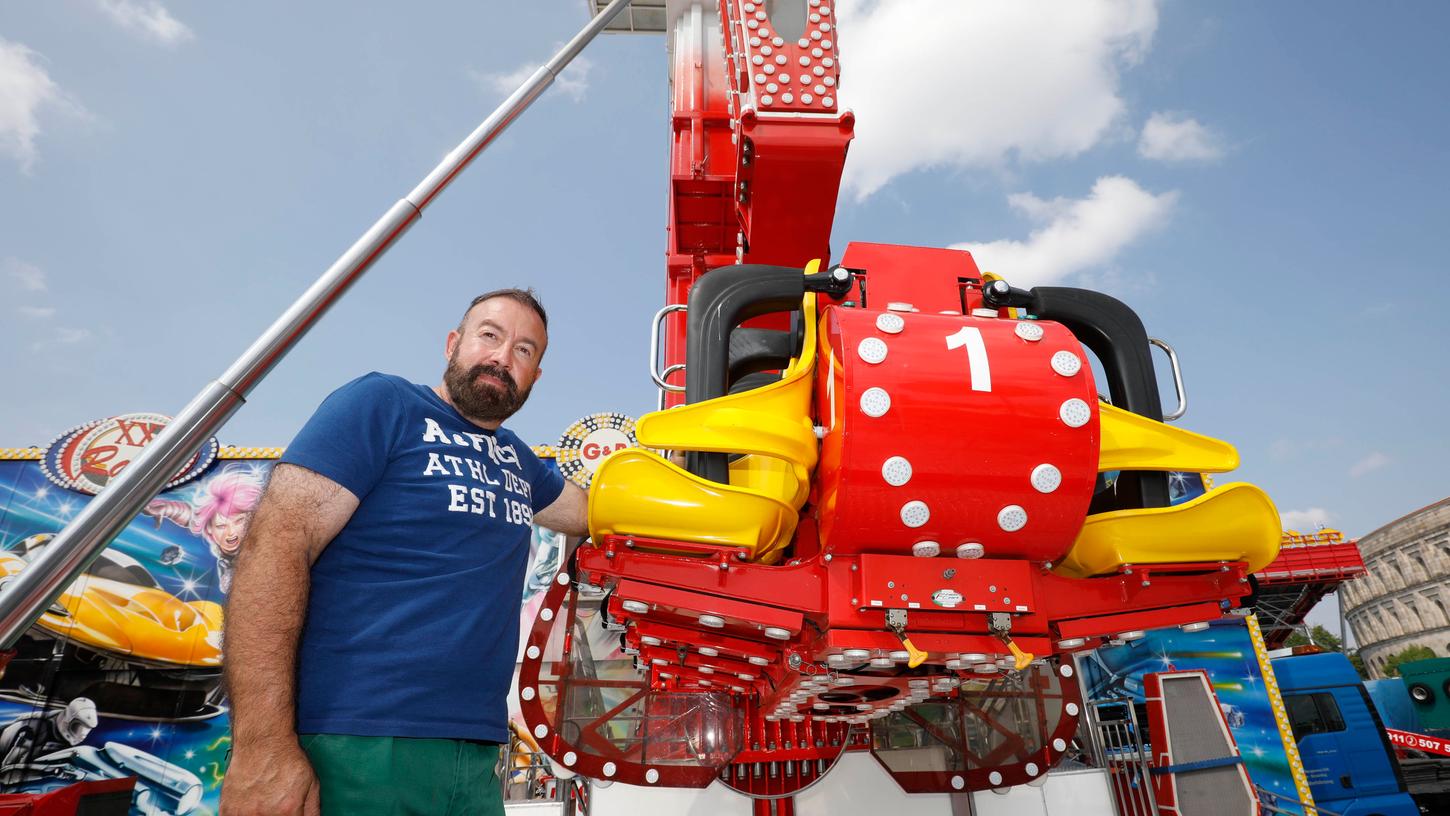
(1264, 183)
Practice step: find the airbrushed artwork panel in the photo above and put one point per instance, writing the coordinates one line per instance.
(1226, 651)
(122, 676)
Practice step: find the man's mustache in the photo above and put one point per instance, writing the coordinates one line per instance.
(497, 372)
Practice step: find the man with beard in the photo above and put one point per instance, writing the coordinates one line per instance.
(373, 619)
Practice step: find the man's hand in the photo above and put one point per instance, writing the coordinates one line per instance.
(270, 779)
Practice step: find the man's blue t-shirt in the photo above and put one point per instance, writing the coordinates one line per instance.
(412, 621)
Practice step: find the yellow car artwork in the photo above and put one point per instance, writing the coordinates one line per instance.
(117, 608)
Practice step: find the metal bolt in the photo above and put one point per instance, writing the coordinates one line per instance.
(949, 574)
(724, 565)
(853, 567)
(1146, 582)
(891, 585)
(903, 596)
(609, 553)
(855, 602)
(794, 661)
(828, 558)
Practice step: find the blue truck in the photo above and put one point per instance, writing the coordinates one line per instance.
(1352, 767)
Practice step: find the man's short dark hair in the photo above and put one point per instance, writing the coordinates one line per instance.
(524, 296)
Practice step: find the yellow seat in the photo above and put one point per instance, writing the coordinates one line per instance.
(771, 421)
(1235, 522)
(1133, 442)
(636, 492)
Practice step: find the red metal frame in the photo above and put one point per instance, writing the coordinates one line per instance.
(753, 178)
(809, 649)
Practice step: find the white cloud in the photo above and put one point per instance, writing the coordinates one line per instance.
(38, 311)
(573, 80)
(1305, 521)
(25, 90)
(148, 18)
(945, 83)
(1174, 137)
(1368, 464)
(1077, 234)
(30, 277)
(62, 337)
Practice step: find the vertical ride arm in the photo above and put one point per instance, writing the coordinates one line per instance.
(758, 141)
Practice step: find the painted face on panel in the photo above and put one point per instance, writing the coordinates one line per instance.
(493, 360)
(226, 532)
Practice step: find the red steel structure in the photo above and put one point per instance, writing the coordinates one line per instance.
(896, 499)
(1309, 566)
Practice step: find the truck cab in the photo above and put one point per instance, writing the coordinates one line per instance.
(1342, 742)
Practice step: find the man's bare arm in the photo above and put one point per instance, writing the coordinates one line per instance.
(298, 515)
(568, 514)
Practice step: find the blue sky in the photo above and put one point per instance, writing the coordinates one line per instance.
(1264, 183)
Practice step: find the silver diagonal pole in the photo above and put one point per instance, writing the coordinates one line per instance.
(23, 600)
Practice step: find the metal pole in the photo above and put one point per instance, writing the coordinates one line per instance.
(104, 516)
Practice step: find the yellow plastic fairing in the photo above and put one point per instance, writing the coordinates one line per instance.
(1235, 522)
(638, 493)
(1133, 442)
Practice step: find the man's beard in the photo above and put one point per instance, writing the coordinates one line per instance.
(479, 401)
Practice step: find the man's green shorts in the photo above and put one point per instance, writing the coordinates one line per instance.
(400, 776)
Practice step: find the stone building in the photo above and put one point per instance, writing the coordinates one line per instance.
(1404, 599)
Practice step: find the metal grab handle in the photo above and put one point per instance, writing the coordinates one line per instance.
(654, 350)
(666, 375)
(1177, 381)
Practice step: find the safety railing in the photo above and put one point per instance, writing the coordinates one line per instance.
(528, 776)
(1116, 739)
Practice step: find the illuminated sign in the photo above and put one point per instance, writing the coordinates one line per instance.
(87, 457)
(585, 444)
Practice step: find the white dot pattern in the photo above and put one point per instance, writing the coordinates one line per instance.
(926, 549)
(890, 323)
(971, 549)
(571, 758)
(1059, 745)
(547, 614)
(1066, 363)
(541, 730)
(533, 652)
(1012, 518)
(915, 513)
(651, 776)
(876, 402)
(527, 692)
(995, 778)
(609, 769)
(1071, 709)
(872, 350)
(1075, 413)
(958, 783)
(1046, 478)
(896, 471)
(1031, 769)
(1065, 671)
